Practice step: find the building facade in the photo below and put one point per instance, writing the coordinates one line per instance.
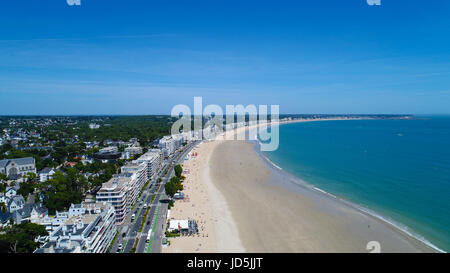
(168, 144)
(17, 167)
(46, 174)
(88, 228)
(152, 160)
(122, 190)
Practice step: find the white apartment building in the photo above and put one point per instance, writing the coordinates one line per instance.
(152, 160)
(52, 222)
(138, 176)
(131, 151)
(110, 149)
(85, 228)
(169, 144)
(122, 190)
(94, 126)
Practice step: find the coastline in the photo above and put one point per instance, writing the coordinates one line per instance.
(204, 203)
(397, 227)
(232, 229)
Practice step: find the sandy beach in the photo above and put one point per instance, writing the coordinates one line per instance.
(204, 203)
(244, 204)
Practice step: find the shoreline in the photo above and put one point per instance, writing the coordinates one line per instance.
(227, 231)
(399, 227)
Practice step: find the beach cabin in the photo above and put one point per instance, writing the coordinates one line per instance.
(178, 225)
(184, 227)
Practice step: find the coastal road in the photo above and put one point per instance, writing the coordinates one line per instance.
(157, 210)
(159, 217)
(134, 226)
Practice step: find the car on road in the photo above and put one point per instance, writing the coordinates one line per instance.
(145, 206)
(119, 248)
(149, 234)
(124, 231)
(133, 216)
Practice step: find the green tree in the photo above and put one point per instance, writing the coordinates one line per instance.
(174, 180)
(178, 170)
(4, 247)
(30, 177)
(21, 238)
(170, 189)
(3, 177)
(177, 182)
(28, 186)
(63, 190)
(3, 207)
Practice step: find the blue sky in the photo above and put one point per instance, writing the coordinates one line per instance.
(143, 57)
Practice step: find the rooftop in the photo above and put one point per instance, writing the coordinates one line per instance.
(117, 182)
(18, 161)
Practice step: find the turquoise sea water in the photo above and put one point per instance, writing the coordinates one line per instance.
(399, 169)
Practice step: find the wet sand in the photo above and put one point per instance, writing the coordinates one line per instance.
(273, 213)
(244, 204)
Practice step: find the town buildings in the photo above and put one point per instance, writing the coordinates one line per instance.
(169, 144)
(109, 149)
(152, 160)
(17, 209)
(131, 151)
(45, 174)
(18, 167)
(84, 228)
(94, 126)
(122, 190)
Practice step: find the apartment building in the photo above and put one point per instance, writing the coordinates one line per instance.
(152, 160)
(131, 151)
(110, 149)
(122, 190)
(85, 228)
(137, 173)
(169, 144)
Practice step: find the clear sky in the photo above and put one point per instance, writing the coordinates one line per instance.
(143, 57)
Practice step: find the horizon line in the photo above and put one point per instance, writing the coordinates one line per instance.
(287, 114)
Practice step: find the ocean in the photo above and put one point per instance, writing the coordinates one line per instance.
(398, 170)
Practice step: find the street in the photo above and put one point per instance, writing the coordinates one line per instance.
(156, 218)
